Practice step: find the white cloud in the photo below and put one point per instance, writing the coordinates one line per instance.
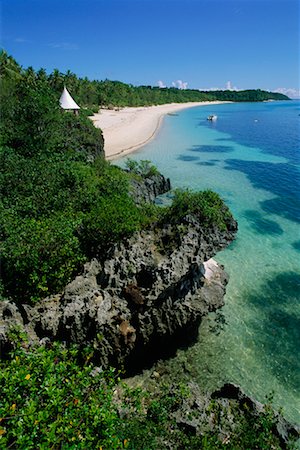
(161, 84)
(229, 86)
(180, 84)
(64, 46)
(290, 92)
(21, 40)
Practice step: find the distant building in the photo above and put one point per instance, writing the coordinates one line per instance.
(67, 102)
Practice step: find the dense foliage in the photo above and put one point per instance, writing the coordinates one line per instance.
(207, 206)
(60, 201)
(54, 214)
(55, 398)
(142, 168)
(107, 93)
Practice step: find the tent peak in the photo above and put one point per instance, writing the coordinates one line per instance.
(67, 102)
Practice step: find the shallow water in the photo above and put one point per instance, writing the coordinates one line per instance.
(251, 157)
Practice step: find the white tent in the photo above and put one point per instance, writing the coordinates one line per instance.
(66, 101)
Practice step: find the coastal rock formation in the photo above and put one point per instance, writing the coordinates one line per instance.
(140, 301)
(225, 412)
(147, 189)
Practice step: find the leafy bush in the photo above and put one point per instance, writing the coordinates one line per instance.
(38, 257)
(50, 401)
(144, 168)
(55, 213)
(79, 136)
(37, 187)
(113, 219)
(90, 111)
(30, 118)
(56, 398)
(207, 206)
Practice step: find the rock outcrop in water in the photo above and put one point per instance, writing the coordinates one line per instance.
(141, 301)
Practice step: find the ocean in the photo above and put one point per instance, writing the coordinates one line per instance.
(250, 155)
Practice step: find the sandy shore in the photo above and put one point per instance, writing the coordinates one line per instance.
(130, 128)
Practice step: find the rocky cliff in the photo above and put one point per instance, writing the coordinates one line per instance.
(148, 188)
(140, 301)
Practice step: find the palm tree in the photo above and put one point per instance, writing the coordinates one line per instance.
(71, 82)
(42, 75)
(30, 75)
(9, 67)
(56, 80)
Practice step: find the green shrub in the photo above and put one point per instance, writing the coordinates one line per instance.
(50, 401)
(56, 211)
(89, 111)
(207, 206)
(35, 187)
(144, 168)
(112, 219)
(39, 256)
(77, 135)
(112, 179)
(55, 398)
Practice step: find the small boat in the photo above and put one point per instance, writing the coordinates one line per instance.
(212, 117)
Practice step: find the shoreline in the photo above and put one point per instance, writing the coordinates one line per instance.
(130, 128)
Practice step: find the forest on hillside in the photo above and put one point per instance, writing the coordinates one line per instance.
(59, 198)
(93, 94)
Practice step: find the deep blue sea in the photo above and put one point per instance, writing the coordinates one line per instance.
(251, 157)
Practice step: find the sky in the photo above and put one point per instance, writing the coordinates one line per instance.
(197, 44)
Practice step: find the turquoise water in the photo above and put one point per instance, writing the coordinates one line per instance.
(251, 157)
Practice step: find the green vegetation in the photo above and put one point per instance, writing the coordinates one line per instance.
(207, 206)
(144, 168)
(61, 203)
(54, 214)
(55, 398)
(109, 94)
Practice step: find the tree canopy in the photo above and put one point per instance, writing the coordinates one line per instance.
(107, 93)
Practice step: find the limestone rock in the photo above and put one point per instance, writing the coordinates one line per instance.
(146, 297)
(223, 411)
(147, 189)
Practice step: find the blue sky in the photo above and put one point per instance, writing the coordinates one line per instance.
(197, 44)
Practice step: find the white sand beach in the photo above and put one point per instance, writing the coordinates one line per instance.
(127, 129)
